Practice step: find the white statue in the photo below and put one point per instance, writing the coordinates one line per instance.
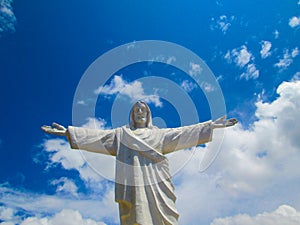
(143, 186)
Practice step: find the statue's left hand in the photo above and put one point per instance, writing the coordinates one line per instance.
(55, 129)
(222, 122)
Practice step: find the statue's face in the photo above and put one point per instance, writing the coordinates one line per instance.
(140, 115)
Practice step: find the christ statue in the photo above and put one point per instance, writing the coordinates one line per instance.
(143, 186)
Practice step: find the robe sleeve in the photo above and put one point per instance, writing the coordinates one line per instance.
(186, 136)
(92, 140)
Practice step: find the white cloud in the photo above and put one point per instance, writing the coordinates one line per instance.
(6, 213)
(276, 34)
(243, 59)
(92, 167)
(133, 90)
(241, 56)
(256, 167)
(294, 21)
(222, 23)
(65, 217)
(287, 58)
(7, 17)
(251, 72)
(295, 52)
(65, 186)
(195, 69)
(188, 86)
(284, 215)
(94, 123)
(296, 76)
(28, 208)
(265, 49)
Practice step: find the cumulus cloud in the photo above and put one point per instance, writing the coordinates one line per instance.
(287, 58)
(134, 90)
(23, 207)
(222, 23)
(92, 167)
(265, 49)
(66, 217)
(294, 22)
(251, 72)
(65, 186)
(241, 56)
(283, 215)
(243, 59)
(256, 166)
(94, 123)
(7, 17)
(6, 214)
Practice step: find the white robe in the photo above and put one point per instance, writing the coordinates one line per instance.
(143, 186)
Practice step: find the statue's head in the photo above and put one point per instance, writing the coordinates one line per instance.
(140, 116)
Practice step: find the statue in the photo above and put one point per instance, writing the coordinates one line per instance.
(143, 186)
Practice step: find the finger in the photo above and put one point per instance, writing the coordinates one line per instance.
(220, 119)
(45, 128)
(58, 126)
(234, 121)
(231, 122)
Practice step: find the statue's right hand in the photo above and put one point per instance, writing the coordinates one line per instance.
(55, 129)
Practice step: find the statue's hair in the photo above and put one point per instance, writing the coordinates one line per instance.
(149, 116)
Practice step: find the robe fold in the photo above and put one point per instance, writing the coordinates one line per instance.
(143, 186)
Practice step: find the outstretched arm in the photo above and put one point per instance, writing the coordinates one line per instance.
(99, 141)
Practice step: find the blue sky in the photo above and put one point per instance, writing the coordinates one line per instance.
(252, 48)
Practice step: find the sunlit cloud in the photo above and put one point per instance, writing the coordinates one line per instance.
(255, 163)
(244, 59)
(134, 90)
(241, 56)
(284, 214)
(287, 58)
(265, 49)
(251, 72)
(41, 207)
(294, 22)
(66, 217)
(65, 186)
